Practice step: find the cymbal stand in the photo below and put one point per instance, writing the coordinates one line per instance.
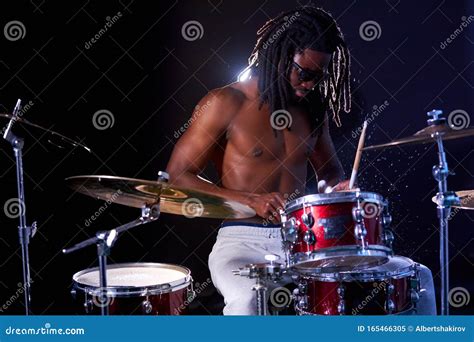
(445, 200)
(106, 239)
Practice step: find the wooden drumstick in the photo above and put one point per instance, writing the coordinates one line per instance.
(355, 168)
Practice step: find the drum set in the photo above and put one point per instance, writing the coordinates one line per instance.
(338, 250)
(337, 246)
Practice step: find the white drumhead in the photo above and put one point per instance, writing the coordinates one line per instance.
(134, 275)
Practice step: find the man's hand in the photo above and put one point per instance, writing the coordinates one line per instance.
(341, 186)
(267, 205)
(323, 187)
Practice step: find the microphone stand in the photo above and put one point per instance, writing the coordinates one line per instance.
(25, 232)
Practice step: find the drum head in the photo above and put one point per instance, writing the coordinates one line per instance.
(340, 264)
(393, 267)
(135, 276)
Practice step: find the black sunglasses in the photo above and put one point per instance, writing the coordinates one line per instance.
(305, 75)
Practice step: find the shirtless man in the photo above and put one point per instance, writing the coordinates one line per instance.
(261, 133)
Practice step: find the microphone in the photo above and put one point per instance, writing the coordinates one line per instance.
(16, 110)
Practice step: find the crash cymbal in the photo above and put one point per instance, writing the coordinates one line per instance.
(427, 135)
(54, 138)
(466, 198)
(138, 193)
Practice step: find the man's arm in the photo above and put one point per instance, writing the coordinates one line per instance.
(324, 159)
(196, 146)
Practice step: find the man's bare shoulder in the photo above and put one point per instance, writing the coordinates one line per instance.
(228, 97)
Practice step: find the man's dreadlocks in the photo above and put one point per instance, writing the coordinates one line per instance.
(290, 33)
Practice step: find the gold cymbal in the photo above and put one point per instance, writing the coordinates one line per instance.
(466, 198)
(427, 135)
(138, 193)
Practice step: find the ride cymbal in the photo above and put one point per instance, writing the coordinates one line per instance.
(427, 135)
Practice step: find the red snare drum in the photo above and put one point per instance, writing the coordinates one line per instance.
(135, 289)
(340, 231)
(392, 288)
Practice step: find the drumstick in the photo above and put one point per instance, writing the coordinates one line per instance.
(355, 168)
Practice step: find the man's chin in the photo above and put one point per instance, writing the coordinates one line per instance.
(300, 95)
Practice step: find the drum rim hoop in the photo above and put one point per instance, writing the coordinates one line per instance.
(333, 198)
(336, 251)
(128, 290)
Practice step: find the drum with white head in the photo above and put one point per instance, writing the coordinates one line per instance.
(135, 288)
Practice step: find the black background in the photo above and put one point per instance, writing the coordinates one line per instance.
(145, 73)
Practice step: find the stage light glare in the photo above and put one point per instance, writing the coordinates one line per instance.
(244, 75)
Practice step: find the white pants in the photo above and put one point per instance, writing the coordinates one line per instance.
(243, 243)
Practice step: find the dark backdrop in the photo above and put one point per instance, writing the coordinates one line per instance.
(149, 77)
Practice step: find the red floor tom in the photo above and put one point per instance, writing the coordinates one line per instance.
(392, 288)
